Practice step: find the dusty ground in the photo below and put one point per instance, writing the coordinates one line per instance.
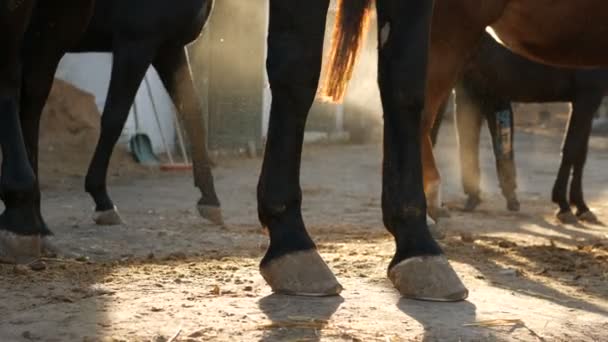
(166, 272)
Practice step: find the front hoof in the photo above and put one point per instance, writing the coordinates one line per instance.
(435, 228)
(211, 213)
(566, 217)
(429, 278)
(302, 273)
(19, 249)
(108, 217)
(472, 203)
(589, 217)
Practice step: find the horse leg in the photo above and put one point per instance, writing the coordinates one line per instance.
(130, 63)
(418, 269)
(499, 118)
(173, 67)
(174, 70)
(44, 47)
(438, 122)
(468, 125)
(20, 227)
(295, 43)
(583, 109)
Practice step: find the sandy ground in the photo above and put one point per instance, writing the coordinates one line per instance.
(167, 273)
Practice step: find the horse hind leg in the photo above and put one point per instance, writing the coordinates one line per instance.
(173, 68)
(130, 63)
(418, 269)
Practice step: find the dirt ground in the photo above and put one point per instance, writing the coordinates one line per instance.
(168, 276)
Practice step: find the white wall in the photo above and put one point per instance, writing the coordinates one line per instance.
(91, 72)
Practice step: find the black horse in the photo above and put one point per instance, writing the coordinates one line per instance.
(141, 33)
(31, 32)
(491, 80)
(295, 43)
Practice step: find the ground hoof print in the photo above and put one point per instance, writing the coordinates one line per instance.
(19, 249)
(429, 278)
(301, 273)
(513, 205)
(589, 217)
(437, 231)
(566, 217)
(472, 203)
(211, 213)
(108, 217)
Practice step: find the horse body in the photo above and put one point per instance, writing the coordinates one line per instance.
(561, 33)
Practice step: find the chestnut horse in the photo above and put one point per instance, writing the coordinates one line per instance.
(535, 29)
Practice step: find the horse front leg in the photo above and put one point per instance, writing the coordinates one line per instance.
(576, 147)
(418, 269)
(20, 229)
(292, 264)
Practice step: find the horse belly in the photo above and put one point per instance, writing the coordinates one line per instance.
(557, 32)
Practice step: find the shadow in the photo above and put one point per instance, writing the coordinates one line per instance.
(527, 262)
(297, 318)
(444, 321)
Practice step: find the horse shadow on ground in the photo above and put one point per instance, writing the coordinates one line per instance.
(443, 321)
(558, 263)
(302, 318)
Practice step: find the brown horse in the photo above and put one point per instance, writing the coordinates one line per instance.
(535, 29)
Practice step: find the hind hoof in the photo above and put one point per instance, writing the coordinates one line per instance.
(513, 205)
(429, 278)
(49, 249)
(589, 217)
(108, 217)
(19, 249)
(472, 203)
(211, 213)
(435, 228)
(438, 212)
(302, 273)
(566, 217)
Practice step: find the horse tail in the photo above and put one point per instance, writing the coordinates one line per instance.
(352, 23)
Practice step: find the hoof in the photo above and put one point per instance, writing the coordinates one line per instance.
(429, 278)
(588, 216)
(472, 203)
(436, 230)
(108, 218)
(513, 205)
(18, 249)
(48, 248)
(301, 273)
(566, 217)
(211, 213)
(438, 212)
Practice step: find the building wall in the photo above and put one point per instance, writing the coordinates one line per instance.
(91, 72)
